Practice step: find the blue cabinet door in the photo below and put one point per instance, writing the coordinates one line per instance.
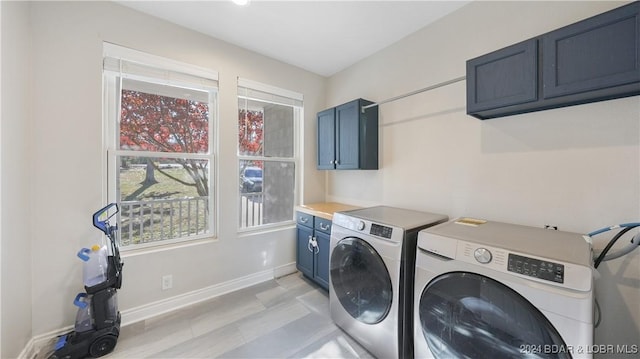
(602, 52)
(304, 251)
(507, 77)
(322, 259)
(347, 136)
(326, 139)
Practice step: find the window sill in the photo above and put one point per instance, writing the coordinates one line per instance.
(155, 248)
(266, 229)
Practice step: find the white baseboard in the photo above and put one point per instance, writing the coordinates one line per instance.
(29, 350)
(284, 270)
(150, 310)
(38, 342)
(147, 311)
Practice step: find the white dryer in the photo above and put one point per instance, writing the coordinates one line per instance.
(372, 262)
(495, 290)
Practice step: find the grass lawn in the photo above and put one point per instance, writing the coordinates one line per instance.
(132, 187)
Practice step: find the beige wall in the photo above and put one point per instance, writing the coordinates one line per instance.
(60, 160)
(576, 167)
(16, 182)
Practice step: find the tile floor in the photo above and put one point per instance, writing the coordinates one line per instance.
(283, 318)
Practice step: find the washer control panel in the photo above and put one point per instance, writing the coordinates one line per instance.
(381, 231)
(536, 268)
(367, 227)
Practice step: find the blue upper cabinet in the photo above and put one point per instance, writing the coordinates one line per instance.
(592, 60)
(503, 78)
(348, 137)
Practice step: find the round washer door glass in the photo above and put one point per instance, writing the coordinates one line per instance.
(466, 315)
(360, 280)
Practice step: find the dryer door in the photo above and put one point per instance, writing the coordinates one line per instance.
(466, 315)
(360, 280)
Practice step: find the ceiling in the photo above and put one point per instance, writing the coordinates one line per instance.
(323, 37)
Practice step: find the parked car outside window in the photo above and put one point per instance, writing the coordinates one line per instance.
(251, 180)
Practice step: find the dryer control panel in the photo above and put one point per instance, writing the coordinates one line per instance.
(539, 269)
(536, 268)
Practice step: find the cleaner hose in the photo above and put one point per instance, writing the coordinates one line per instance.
(635, 242)
(626, 227)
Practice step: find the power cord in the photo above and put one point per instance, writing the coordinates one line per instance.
(599, 314)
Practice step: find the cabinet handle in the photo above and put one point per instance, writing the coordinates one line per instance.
(313, 243)
(331, 162)
(310, 244)
(303, 219)
(324, 228)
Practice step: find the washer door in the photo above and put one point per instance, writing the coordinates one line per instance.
(466, 315)
(360, 280)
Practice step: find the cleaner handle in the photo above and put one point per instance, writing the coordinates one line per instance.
(78, 303)
(102, 225)
(84, 254)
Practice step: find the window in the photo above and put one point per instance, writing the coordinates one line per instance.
(268, 126)
(159, 143)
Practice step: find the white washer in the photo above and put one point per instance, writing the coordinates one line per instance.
(496, 290)
(372, 261)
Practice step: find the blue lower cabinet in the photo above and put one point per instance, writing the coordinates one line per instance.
(321, 270)
(304, 256)
(312, 250)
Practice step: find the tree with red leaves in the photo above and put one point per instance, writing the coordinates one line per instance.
(250, 133)
(165, 124)
(250, 130)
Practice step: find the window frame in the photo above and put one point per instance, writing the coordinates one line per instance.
(112, 90)
(298, 122)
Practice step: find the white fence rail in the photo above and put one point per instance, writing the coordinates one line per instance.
(162, 219)
(251, 209)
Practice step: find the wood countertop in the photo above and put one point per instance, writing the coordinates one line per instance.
(325, 209)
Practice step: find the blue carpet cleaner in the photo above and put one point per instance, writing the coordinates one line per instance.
(97, 325)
